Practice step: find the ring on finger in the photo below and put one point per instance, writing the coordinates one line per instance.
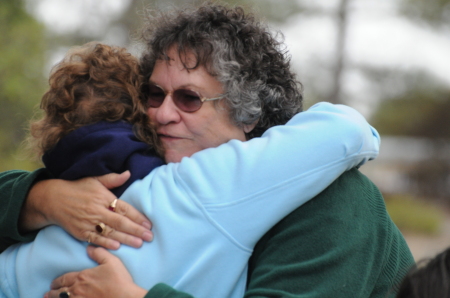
(100, 228)
(64, 294)
(112, 206)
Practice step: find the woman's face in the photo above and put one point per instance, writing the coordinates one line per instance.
(183, 133)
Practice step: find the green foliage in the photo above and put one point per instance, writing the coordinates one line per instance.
(413, 215)
(433, 12)
(419, 113)
(22, 82)
(275, 11)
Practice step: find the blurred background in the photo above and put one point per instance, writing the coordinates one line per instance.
(389, 59)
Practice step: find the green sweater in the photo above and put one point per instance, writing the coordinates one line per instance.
(340, 244)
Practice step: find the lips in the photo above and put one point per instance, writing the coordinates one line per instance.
(166, 137)
(161, 135)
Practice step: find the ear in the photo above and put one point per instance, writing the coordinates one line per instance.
(249, 127)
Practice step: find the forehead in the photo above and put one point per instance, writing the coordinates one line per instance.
(190, 58)
(175, 72)
(183, 58)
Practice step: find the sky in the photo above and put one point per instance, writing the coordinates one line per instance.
(66, 15)
(377, 36)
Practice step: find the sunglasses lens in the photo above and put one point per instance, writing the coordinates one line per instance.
(187, 100)
(155, 96)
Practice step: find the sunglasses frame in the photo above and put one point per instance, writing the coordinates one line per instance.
(177, 102)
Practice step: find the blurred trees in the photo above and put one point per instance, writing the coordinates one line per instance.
(430, 12)
(422, 113)
(22, 57)
(418, 106)
(411, 104)
(417, 113)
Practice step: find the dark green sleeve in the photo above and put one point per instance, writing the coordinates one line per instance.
(14, 187)
(164, 291)
(340, 244)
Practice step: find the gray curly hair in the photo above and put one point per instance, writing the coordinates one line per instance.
(239, 51)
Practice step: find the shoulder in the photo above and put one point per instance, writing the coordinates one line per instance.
(343, 237)
(352, 198)
(346, 205)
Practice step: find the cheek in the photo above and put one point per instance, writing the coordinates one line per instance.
(219, 133)
(151, 114)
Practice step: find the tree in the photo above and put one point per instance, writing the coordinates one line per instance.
(422, 112)
(417, 113)
(22, 57)
(431, 12)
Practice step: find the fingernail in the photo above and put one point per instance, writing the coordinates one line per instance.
(115, 245)
(146, 225)
(147, 236)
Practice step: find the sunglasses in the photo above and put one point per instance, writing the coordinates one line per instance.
(186, 100)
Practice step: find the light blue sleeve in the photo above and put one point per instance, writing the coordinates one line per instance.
(244, 188)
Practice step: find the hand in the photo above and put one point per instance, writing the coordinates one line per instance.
(109, 279)
(78, 206)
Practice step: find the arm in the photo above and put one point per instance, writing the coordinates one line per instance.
(340, 244)
(31, 201)
(14, 186)
(293, 163)
(353, 146)
(332, 140)
(110, 271)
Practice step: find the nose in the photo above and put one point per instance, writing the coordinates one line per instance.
(167, 112)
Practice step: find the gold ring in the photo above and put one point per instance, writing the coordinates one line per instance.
(89, 238)
(100, 228)
(64, 294)
(112, 206)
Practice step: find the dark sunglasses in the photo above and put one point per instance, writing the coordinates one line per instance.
(186, 100)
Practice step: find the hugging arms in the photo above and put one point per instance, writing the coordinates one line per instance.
(284, 237)
(178, 197)
(342, 243)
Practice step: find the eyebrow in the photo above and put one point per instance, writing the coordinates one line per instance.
(186, 86)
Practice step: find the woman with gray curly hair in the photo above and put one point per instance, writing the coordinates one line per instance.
(238, 51)
(230, 194)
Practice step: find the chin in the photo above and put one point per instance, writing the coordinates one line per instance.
(173, 157)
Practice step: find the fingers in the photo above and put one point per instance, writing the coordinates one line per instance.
(65, 280)
(122, 226)
(125, 209)
(78, 206)
(97, 239)
(100, 255)
(129, 220)
(109, 279)
(56, 293)
(119, 228)
(112, 235)
(131, 227)
(114, 180)
(111, 239)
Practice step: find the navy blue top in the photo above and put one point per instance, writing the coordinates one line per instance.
(99, 149)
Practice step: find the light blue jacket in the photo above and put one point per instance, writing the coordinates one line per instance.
(208, 211)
